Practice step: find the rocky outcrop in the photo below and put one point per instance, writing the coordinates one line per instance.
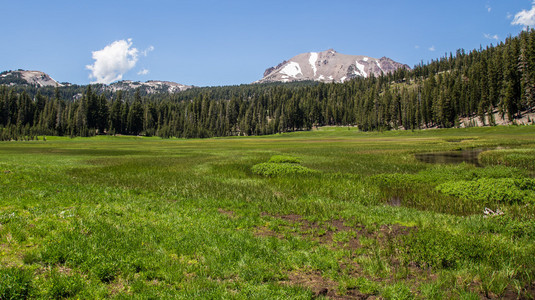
(31, 78)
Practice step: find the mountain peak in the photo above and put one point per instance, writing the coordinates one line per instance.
(33, 78)
(329, 66)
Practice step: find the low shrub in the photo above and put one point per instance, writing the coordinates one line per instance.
(488, 190)
(285, 159)
(280, 165)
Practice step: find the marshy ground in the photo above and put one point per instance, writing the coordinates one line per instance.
(331, 213)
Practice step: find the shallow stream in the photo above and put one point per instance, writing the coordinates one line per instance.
(451, 157)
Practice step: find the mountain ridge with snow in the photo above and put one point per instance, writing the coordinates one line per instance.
(329, 66)
(41, 79)
(151, 86)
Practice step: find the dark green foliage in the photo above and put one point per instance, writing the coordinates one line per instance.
(15, 283)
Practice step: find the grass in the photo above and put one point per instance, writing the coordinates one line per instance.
(123, 217)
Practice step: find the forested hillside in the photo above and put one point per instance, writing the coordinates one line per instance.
(435, 94)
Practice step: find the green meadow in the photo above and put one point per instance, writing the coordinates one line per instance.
(333, 213)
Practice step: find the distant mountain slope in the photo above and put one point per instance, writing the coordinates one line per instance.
(40, 79)
(150, 87)
(329, 66)
(32, 78)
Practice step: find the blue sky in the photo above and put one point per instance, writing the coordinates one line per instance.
(207, 43)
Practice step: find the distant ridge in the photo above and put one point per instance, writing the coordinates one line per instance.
(41, 79)
(150, 87)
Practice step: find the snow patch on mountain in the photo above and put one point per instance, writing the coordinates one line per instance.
(292, 69)
(312, 60)
(378, 64)
(361, 68)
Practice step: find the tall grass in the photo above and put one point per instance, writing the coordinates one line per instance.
(130, 217)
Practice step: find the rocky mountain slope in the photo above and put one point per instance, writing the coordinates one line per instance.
(32, 78)
(329, 66)
(151, 86)
(40, 79)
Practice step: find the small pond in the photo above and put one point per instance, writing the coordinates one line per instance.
(451, 157)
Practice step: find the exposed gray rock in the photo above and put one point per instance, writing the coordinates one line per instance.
(33, 78)
(151, 86)
(329, 66)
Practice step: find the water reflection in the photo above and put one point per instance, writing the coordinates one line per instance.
(451, 157)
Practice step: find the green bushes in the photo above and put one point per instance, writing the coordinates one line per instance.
(280, 165)
(500, 190)
(284, 159)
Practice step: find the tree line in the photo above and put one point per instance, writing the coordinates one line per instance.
(435, 94)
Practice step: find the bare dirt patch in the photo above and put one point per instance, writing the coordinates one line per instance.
(321, 286)
(118, 287)
(340, 234)
(228, 213)
(264, 231)
(335, 233)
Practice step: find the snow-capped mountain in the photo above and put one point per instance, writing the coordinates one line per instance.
(329, 66)
(151, 86)
(33, 78)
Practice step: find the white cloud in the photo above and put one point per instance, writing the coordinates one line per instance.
(416, 46)
(525, 17)
(509, 16)
(143, 72)
(146, 51)
(432, 48)
(491, 37)
(488, 7)
(113, 61)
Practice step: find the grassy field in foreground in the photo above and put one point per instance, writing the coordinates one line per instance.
(331, 213)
